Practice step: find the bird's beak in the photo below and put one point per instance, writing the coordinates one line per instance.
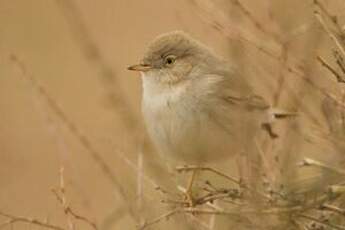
(140, 67)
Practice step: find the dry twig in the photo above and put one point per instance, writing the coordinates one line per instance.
(70, 213)
(332, 208)
(331, 69)
(92, 53)
(187, 168)
(311, 162)
(33, 221)
(72, 127)
(329, 32)
(159, 219)
(317, 220)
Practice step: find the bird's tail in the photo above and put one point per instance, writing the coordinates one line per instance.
(274, 114)
(277, 113)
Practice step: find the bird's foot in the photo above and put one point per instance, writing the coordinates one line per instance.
(189, 199)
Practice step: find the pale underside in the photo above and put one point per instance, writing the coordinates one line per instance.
(211, 123)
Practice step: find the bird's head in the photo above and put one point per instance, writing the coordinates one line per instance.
(174, 57)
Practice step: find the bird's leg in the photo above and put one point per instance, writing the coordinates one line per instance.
(241, 167)
(189, 191)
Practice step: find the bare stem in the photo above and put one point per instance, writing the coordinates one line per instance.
(74, 130)
(13, 219)
(187, 168)
(330, 33)
(311, 162)
(159, 219)
(333, 209)
(330, 69)
(70, 213)
(317, 220)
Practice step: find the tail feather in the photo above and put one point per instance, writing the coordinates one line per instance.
(280, 113)
(274, 114)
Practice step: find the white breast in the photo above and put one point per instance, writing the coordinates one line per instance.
(179, 126)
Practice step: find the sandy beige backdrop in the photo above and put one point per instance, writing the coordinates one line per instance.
(44, 39)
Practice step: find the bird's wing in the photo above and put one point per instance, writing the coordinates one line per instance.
(235, 89)
(235, 104)
(250, 101)
(239, 113)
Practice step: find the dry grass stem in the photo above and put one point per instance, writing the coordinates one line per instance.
(92, 53)
(188, 168)
(340, 60)
(333, 209)
(252, 18)
(336, 190)
(311, 162)
(284, 187)
(74, 130)
(218, 20)
(333, 36)
(317, 220)
(60, 194)
(33, 221)
(159, 219)
(331, 69)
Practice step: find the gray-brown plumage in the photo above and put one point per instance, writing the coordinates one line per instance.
(197, 107)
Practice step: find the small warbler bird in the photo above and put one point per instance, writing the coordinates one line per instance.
(198, 108)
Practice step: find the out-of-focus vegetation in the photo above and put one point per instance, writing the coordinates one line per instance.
(73, 150)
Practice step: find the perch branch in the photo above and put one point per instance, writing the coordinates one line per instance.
(13, 219)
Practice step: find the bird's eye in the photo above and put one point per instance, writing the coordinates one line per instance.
(170, 60)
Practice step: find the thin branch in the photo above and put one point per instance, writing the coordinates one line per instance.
(73, 129)
(318, 88)
(61, 197)
(332, 208)
(336, 190)
(253, 20)
(340, 60)
(218, 20)
(317, 220)
(140, 185)
(324, 10)
(271, 211)
(311, 162)
(299, 225)
(201, 223)
(159, 219)
(213, 197)
(28, 220)
(331, 69)
(11, 221)
(89, 47)
(187, 168)
(282, 75)
(330, 33)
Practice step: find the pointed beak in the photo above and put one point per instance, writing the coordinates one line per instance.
(140, 67)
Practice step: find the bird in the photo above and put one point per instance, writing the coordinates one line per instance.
(198, 107)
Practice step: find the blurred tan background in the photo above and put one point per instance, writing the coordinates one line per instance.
(33, 141)
(43, 39)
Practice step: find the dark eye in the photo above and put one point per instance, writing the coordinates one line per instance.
(170, 60)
